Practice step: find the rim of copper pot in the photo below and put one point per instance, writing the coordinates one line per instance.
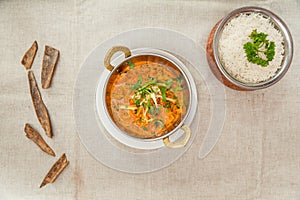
(288, 47)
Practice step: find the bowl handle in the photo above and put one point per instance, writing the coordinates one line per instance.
(111, 52)
(182, 142)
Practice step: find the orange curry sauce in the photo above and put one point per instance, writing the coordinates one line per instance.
(156, 118)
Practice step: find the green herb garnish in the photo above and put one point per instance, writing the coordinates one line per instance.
(260, 51)
(163, 93)
(131, 64)
(148, 97)
(178, 105)
(169, 83)
(138, 84)
(178, 88)
(151, 81)
(151, 110)
(137, 102)
(178, 80)
(167, 105)
(159, 123)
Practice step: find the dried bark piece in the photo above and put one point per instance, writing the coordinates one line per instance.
(29, 55)
(35, 136)
(55, 170)
(50, 59)
(39, 106)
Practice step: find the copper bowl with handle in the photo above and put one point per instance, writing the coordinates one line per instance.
(117, 65)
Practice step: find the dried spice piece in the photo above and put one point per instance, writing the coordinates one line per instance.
(29, 56)
(33, 135)
(55, 170)
(39, 106)
(50, 59)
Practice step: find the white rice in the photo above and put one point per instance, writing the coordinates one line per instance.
(233, 57)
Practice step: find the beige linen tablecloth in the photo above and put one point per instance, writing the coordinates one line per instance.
(257, 156)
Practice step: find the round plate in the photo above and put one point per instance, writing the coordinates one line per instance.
(99, 143)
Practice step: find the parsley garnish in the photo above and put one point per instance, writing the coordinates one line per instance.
(131, 64)
(260, 51)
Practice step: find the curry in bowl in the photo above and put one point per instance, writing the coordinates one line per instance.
(147, 96)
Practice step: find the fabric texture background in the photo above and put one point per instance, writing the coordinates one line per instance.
(257, 156)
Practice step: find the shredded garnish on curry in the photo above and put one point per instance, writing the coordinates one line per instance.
(147, 99)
